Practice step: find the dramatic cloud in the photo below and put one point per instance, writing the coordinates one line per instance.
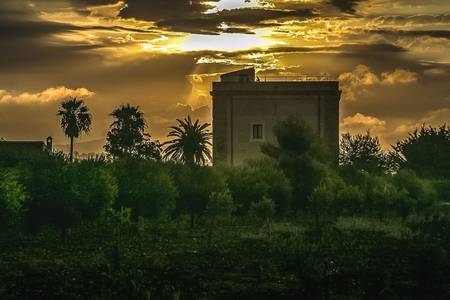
(354, 83)
(347, 6)
(391, 58)
(360, 123)
(360, 119)
(48, 95)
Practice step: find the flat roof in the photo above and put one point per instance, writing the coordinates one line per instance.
(272, 86)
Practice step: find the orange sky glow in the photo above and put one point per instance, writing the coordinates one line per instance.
(392, 59)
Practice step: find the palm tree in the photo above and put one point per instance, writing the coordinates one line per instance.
(190, 144)
(75, 120)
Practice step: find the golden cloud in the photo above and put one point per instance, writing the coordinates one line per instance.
(48, 95)
(356, 81)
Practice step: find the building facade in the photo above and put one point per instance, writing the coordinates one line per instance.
(27, 146)
(245, 111)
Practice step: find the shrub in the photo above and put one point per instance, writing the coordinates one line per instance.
(257, 179)
(12, 197)
(418, 195)
(195, 185)
(146, 187)
(350, 200)
(93, 189)
(220, 204)
(264, 210)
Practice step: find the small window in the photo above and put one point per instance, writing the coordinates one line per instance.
(257, 132)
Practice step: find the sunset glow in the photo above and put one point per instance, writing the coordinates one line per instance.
(391, 57)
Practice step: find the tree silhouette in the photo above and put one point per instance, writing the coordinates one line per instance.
(362, 152)
(127, 136)
(75, 120)
(190, 144)
(426, 151)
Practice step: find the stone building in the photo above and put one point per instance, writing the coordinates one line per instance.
(245, 109)
(27, 146)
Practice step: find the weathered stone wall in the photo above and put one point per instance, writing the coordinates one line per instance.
(236, 106)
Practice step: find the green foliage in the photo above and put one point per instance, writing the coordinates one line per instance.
(127, 136)
(123, 245)
(322, 199)
(12, 197)
(146, 187)
(362, 153)
(92, 189)
(350, 200)
(195, 184)
(190, 144)
(419, 194)
(303, 157)
(442, 188)
(257, 179)
(220, 204)
(264, 209)
(426, 151)
(63, 194)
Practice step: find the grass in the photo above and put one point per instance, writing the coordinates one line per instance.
(167, 259)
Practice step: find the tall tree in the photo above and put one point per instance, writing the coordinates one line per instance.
(426, 151)
(302, 156)
(362, 152)
(75, 120)
(191, 142)
(127, 136)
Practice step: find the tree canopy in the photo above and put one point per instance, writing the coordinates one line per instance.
(127, 136)
(75, 119)
(426, 151)
(362, 152)
(191, 142)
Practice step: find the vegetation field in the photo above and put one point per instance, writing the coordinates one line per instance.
(148, 222)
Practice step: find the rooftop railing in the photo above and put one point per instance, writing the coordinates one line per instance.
(294, 78)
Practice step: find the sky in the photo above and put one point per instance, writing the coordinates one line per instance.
(392, 59)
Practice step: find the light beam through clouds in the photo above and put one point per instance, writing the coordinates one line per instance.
(391, 56)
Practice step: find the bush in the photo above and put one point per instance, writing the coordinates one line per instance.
(264, 210)
(350, 200)
(93, 189)
(12, 197)
(65, 194)
(195, 185)
(146, 187)
(220, 204)
(257, 179)
(418, 195)
(442, 188)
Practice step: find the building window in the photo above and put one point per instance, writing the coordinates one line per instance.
(257, 131)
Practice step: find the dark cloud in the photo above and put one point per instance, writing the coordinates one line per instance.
(250, 17)
(347, 6)
(191, 16)
(445, 34)
(412, 19)
(348, 49)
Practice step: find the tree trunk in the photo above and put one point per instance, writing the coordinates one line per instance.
(71, 149)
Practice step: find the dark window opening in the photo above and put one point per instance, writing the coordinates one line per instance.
(257, 131)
